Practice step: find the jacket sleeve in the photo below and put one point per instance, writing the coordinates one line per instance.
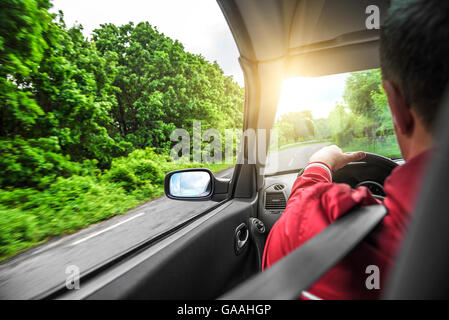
(314, 203)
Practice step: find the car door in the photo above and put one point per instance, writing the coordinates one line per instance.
(197, 260)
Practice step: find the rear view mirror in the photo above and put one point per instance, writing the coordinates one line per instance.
(194, 185)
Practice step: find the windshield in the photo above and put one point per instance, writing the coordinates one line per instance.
(348, 109)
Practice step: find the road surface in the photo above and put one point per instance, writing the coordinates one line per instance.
(292, 158)
(43, 268)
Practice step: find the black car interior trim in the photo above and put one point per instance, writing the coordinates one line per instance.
(93, 272)
(172, 267)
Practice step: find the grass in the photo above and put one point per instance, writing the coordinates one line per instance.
(389, 148)
(29, 217)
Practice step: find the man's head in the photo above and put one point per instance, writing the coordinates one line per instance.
(414, 53)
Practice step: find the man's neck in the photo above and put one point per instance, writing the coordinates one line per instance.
(420, 141)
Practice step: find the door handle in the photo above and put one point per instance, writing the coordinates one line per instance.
(241, 237)
(259, 237)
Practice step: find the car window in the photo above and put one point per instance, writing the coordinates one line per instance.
(104, 100)
(349, 110)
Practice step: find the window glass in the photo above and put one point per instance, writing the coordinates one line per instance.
(100, 96)
(349, 110)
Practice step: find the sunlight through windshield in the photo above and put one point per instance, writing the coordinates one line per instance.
(349, 110)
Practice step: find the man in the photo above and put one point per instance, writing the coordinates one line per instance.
(414, 54)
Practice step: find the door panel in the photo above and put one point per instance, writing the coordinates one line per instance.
(197, 262)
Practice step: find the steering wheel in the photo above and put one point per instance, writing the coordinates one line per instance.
(377, 159)
(371, 172)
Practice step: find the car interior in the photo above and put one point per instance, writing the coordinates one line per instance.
(218, 253)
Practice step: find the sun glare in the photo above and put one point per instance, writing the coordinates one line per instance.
(318, 95)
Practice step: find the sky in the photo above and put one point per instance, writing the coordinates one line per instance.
(201, 27)
(318, 95)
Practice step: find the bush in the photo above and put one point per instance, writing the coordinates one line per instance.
(141, 168)
(123, 176)
(29, 216)
(36, 163)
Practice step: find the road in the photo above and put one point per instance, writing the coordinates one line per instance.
(43, 267)
(292, 158)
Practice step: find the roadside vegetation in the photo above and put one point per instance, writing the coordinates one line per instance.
(85, 124)
(29, 216)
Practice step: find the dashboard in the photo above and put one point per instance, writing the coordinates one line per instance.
(277, 188)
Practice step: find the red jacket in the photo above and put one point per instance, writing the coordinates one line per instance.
(315, 203)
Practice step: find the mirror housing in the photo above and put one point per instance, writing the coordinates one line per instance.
(196, 184)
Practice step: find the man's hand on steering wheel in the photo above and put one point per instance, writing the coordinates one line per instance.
(334, 157)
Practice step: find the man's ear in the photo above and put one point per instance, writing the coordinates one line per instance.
(402, 115)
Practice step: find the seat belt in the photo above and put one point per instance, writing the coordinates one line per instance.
(296, 272)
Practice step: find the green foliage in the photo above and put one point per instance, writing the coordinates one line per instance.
(387, 147)
(361, 122)
(137, 171)
(72, 110)
(295, 127)
(162, 87)
(369, 125)
(98, 100)
(57, 109)
(358, 90)
(74, 89)
(29, 216)
(21, 49)
(364, 121)
(21, 40)
(36, 162)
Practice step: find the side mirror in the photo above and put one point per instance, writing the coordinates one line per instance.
(195, 185)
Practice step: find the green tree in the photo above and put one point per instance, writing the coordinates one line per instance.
(358, 95)
(342, 122)
(161, 86)
(22, 44)
(55, 108)
(382, 114)
(74, 88)
(358, 91)
(295, 127)
(323, 128)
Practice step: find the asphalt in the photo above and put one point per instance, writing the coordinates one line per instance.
(291, 158)
(42, 268)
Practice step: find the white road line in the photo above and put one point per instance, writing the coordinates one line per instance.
(106, 229)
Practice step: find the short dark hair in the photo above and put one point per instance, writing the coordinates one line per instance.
(414, 53)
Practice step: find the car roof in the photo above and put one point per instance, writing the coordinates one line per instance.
(318, 37)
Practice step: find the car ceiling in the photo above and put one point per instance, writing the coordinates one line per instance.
(317, 37)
